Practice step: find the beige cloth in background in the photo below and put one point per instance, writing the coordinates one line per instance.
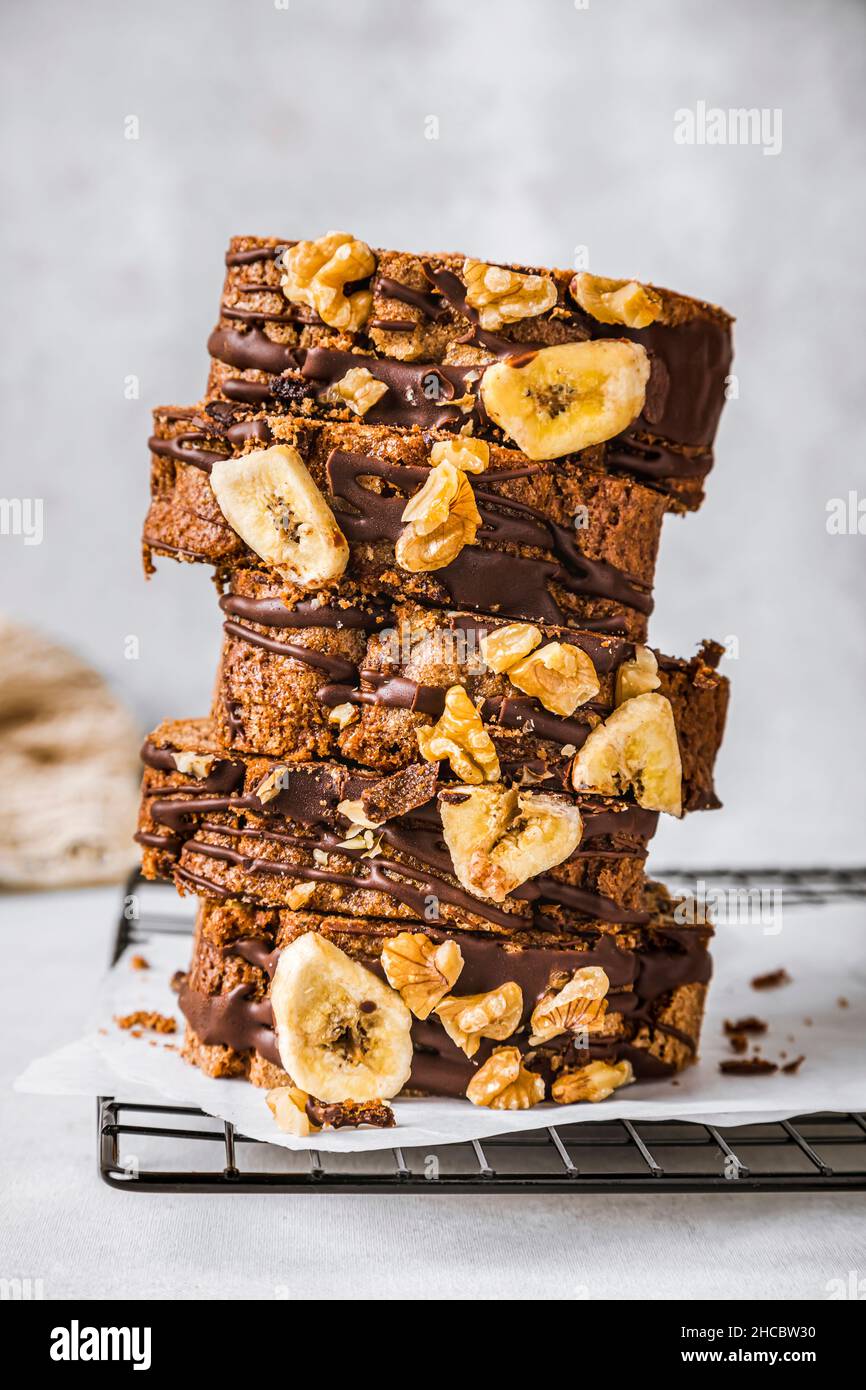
(68, 768)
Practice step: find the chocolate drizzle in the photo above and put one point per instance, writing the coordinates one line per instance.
(430, 305)
(336, 668)
(251, 350)
(424, 394)
(639, 979)
(272, 612)
(482, 577)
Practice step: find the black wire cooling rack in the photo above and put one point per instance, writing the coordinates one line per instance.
(158, 1148)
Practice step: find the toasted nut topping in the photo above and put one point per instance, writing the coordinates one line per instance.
(344, 715)
(316, 273)
(567, 397)
(503, 296)
(503, 1082)
(638, 676)
(272, 502)
(635, 748)
(577, 1004)
(288, 1106)
(272, 785)
(596, 1081)
(560, 675)
(460, 736)
(495, 1014)
(505, 646)
(501, 837)
(358, 389)
(299, 895)
(471, 455)
(194, 764)
(616, 301)
(421, 970)
(354, 811)
(441, 518)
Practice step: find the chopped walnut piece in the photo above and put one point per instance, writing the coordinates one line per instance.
(470, 455)
(316, 273)
(470, 1018)
(147, 1018)
(299, 895)
(559, 674)
(593, 1082)
(358, 389)
(504, 1083)
(500, 837)
(288, 1105)
(441, 519)
(271, 785)
(194, 764)
(638, 676)
(579, 1003)
(459, 735)
(505, 646)
(505, 296)
(344, 715)
(354, 811)
(616, 301)
(421, 970)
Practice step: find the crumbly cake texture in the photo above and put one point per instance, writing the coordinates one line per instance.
(658, 976)
(208, 830)
(431, 490)
(420, 328)
(278, 684)
(560, 543)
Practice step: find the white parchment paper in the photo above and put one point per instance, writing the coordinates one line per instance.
(823, 949)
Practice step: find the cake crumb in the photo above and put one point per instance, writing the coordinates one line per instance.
(146, 1018)
(139, 963)
(747, 1066)
(772, 980)
(791, 1068)
(745, 1025)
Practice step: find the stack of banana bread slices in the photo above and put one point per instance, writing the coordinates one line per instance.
(417, 817)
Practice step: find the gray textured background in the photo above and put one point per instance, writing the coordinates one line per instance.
(556, 129)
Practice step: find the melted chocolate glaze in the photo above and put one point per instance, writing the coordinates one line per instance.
(637, 980)
(272, 612)
(512, 584)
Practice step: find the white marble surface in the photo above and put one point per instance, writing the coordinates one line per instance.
(60, 1225)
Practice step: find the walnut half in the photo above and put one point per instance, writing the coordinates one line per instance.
(441, 519)
(470, 1018)
(460, 736)
(504, 296)
(596, 1081)
(504, 1083)
(316, 273)
(420, 969)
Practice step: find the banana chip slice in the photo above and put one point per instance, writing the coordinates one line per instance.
(342, 1034)
(567, 397)
(272, 502)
